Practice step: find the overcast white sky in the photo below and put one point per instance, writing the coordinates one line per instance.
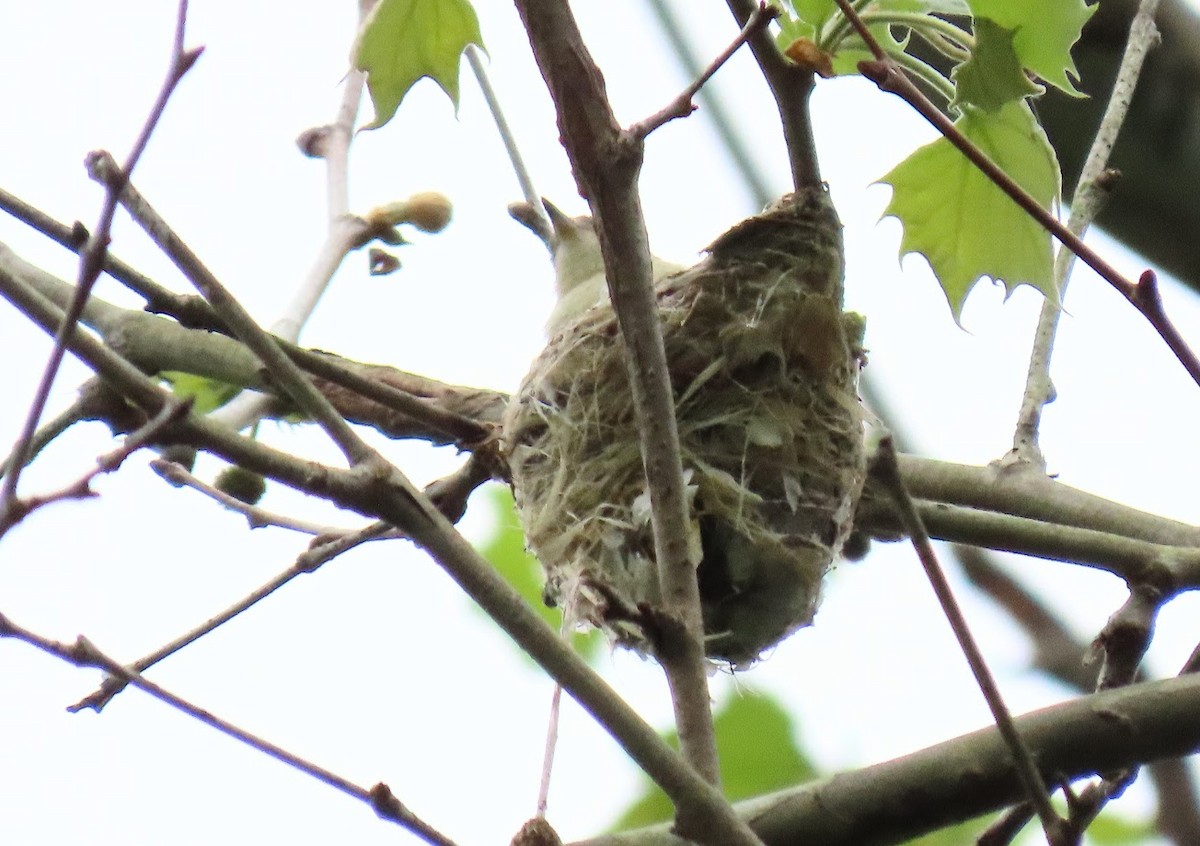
(376, 667)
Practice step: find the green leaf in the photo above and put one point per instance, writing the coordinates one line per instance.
(964, 225)
(404, 40)
(937, 7)
(505, 551)
(206, 394)
(756, 741)
(993, 75)
(1045, 31)
(1112, 830)
(853, 50)
(956, 835)
(814, 12)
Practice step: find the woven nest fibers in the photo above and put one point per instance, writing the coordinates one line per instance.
(764, 367)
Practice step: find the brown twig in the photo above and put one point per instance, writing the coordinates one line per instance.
(1143, 294)
(149, 433)
(448, 494)
(1126, 636)
(307, 562)
(1061, 655)
(885, 468)
(682, 105)
(96, 401)
(959, 779)
(190, 310)
(176, 474)
(458, 428)
(83, 654)
(790, 85)
(291, 380)
(90, 264)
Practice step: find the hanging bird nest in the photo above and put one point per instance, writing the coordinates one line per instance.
(764, 367)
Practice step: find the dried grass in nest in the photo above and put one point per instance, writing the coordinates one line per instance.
(764, 367)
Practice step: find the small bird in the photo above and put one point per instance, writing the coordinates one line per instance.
(578, 265)
(764, 367)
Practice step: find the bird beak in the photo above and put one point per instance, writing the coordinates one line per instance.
(564, 226)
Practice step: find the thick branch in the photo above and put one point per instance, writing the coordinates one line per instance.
(155, 344)
(954, 781)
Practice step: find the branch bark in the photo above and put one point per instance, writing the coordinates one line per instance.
(954, 781)
(607, 161)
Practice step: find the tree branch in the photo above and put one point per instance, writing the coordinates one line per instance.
(1089, 198)
(91, 261)
(790, 85)
(954, 781)
(886, 470)
(83, 654)
(606, 161)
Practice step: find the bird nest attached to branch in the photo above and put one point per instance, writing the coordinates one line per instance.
(764, 367)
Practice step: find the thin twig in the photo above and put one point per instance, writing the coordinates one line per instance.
(81, 488)
(83, 654)
(1175, 566)
(291, 380)
(397, 403)
(91, 263)
(790, 85)
(1093, 189)
(682, 105)
(458, 428)
(308, 562)
(343, 235)
(1060, 655)
(176, 474)
(1143, 294)
(189, 309)
(712, 106)
(1126, 636)
(447, 494)
(95, 402)
(539, 221)
(885, 468)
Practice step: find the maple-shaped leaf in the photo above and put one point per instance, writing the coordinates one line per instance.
(993, 75)
(1044, 32)
(964, 225)
(402, 41)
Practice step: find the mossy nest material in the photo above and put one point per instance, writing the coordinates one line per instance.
(764, 367)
